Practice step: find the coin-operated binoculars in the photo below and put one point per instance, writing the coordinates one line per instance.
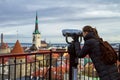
(76, 36)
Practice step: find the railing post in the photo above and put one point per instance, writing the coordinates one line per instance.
(70, 69)
(50, 65)
(3, 68)
(35, 66)
(15, 68)
(26, 67)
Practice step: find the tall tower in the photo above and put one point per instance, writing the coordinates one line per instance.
(36, 35)
(1, 38)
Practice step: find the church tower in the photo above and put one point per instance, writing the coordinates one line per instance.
(36, 35)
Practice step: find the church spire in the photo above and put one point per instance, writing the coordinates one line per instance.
(36, 22)
(36, 26)
(36, 42)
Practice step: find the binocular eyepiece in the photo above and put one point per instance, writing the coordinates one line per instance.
(73, 33)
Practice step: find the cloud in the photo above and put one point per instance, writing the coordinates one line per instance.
(56, 15)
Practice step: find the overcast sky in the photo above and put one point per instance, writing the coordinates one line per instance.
(17, 18)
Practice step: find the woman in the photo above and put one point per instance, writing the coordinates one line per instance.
(92, 48)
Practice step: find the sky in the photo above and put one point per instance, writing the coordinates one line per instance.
(17, 18)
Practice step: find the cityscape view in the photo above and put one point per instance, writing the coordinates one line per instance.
(32, 44)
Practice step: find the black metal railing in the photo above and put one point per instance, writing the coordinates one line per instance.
(32, 66)
(43, 65)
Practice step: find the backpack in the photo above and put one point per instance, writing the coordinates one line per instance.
(109, 55)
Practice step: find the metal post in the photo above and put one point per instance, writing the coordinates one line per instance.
(73, 68)
(15, 68)
(119, 53)
(73, 60)
(50, 64)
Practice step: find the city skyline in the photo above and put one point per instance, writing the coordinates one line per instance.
(17, 18)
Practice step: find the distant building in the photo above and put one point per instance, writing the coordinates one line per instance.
(17, 49)
(44, 44)
(33, 48)
(4, 48)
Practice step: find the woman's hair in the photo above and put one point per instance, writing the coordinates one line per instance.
(90, 29)
(87, 29)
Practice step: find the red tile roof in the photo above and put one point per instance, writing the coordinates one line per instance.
(57, 72)
(17, 49)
